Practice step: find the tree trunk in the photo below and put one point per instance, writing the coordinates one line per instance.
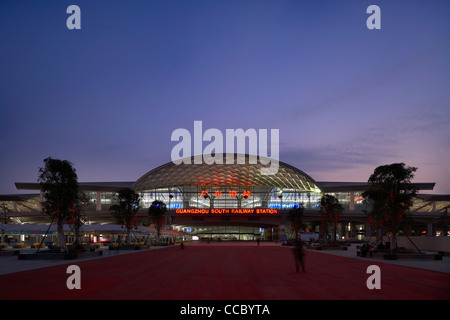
(393, 242)
(62, 239)
(76, 230)
(129, 236)
(394, 236)
(323, 232)
(379, 234)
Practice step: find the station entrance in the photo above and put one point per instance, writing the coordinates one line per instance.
(206, 224)
(232, 232)
(228, 232)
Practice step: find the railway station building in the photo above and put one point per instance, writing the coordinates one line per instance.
(229, 202)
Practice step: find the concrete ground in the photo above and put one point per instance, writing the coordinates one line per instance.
(436, 265)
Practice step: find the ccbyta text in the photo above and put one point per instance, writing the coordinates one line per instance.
(229, 309)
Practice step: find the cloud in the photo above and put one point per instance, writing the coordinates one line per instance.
(417, 136)
(332, 157)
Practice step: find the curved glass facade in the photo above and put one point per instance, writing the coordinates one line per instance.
(227, 186)
(230, 197)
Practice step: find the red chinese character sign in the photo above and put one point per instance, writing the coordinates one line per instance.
(232, 193)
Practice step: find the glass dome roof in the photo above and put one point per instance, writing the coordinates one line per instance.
(171, 175)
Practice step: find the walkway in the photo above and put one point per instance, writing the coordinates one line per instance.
(225, 271)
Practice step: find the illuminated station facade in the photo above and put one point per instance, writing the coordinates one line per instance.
(230, 202)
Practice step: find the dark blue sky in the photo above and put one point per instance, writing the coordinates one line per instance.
(346, 99)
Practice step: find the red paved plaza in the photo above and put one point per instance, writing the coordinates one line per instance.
(225, 271)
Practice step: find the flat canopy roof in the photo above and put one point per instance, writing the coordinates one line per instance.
(17, 197)
(42, 228)
(325, 186)
(85, 186)
(337, 186)
(189, 173)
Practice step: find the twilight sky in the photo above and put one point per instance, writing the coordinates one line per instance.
(346, 99)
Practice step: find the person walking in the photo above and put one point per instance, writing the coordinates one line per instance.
(299, 255)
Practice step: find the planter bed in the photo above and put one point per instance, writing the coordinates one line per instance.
(411, 256)
(9, 252)
(58, 255)
(328, 248)
(405, 256)
(125, 247)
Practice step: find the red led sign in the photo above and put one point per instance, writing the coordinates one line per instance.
(226, 211)
(231, 193)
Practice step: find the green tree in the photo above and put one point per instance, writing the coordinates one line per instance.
(59, 185)
(390, 193)
(330, 209)
(128, 204)
(296, 218)
(156, 213)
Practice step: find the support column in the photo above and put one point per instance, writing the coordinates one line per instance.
(368, 229)
(281, 232)
(430, 229)
(352, 201)
(350, 229)
(98, 206)
(41, 199)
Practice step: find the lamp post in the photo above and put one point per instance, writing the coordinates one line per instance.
(280, 196)
(170, 198)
